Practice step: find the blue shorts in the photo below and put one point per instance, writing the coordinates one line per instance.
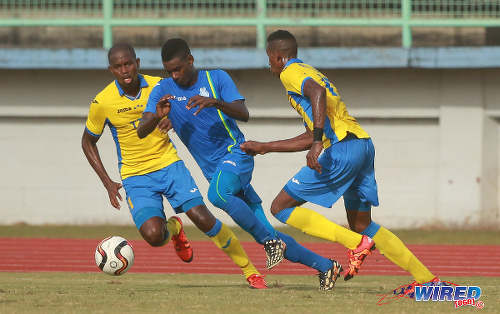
(241, 164)
(347, 170)
(144, 192)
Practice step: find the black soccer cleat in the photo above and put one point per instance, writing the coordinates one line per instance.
(328, 278)
(275, 251)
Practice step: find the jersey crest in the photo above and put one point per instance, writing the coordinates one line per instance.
(204, 92)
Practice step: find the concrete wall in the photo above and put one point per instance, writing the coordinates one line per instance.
(435, 132)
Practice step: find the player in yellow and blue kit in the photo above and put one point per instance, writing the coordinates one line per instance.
(150, 168)
(202, 107)
(345, 168)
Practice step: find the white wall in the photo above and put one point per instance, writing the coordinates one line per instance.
(46, 178)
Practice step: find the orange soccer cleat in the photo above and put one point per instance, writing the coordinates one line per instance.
(257, 282)
(358, 255)
(181, 244)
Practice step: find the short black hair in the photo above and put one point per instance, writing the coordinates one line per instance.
(289, 45)
(281, 34)
(121, 47)
(174, 47)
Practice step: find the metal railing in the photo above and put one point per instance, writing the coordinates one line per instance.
(405, 14)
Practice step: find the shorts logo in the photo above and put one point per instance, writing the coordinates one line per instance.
(204, 92)
(295, 181)
(193, 190)
(229, 162)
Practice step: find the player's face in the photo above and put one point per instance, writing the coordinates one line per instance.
(275, 62)
(181, 70)
(124, 68)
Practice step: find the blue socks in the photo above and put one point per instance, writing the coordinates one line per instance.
(223, 188)
(294, 251)
(222, 192)
(371, 230)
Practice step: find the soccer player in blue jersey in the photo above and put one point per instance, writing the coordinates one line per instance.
(150, 168)
(202, 107)
(345, 168)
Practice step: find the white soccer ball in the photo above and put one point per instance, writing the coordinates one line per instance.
(114, 255)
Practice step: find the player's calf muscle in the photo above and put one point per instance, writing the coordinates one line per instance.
(201, 217)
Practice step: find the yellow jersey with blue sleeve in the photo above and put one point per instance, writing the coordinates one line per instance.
(337, 121)
(122, 114)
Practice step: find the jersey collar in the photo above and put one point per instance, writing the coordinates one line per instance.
(142, 84)
(291, 61)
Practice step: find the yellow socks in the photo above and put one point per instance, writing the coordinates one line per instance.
(227, 241)
(173, 227)
(312, 223)
(394, 249)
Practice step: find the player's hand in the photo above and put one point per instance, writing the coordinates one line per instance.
(114, 194)
(165, 125)
(201, 102)
(254, 148)
(312, 156)
(163, 106)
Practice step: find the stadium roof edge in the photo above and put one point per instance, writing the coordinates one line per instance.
(252, 58)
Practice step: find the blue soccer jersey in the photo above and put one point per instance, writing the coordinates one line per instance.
(210, 135)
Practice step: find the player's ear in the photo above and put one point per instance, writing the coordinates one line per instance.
(138, 61)
(278, 58)
(190, 59)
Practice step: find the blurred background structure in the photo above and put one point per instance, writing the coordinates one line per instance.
(421, 76)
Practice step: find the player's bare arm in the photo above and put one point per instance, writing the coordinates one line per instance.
(235, 109)
(295, 144)
(150, 120)
(317, 95)
(92, 153)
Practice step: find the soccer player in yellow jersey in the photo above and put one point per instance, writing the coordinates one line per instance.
(345, 168)
(150, 167)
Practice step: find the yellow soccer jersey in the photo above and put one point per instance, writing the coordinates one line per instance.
(337, 121)
(122, 114)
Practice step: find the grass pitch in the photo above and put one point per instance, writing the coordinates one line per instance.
(190, 293)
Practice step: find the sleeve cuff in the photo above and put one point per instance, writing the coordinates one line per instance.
(92, 133)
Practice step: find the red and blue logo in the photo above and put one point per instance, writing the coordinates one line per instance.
(460, 295)
(437, 291)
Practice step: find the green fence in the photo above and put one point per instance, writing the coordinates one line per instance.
(405, 14)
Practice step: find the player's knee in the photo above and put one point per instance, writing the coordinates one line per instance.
(216, 200)
(154, 235)
(216, 197)
(276, 207)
